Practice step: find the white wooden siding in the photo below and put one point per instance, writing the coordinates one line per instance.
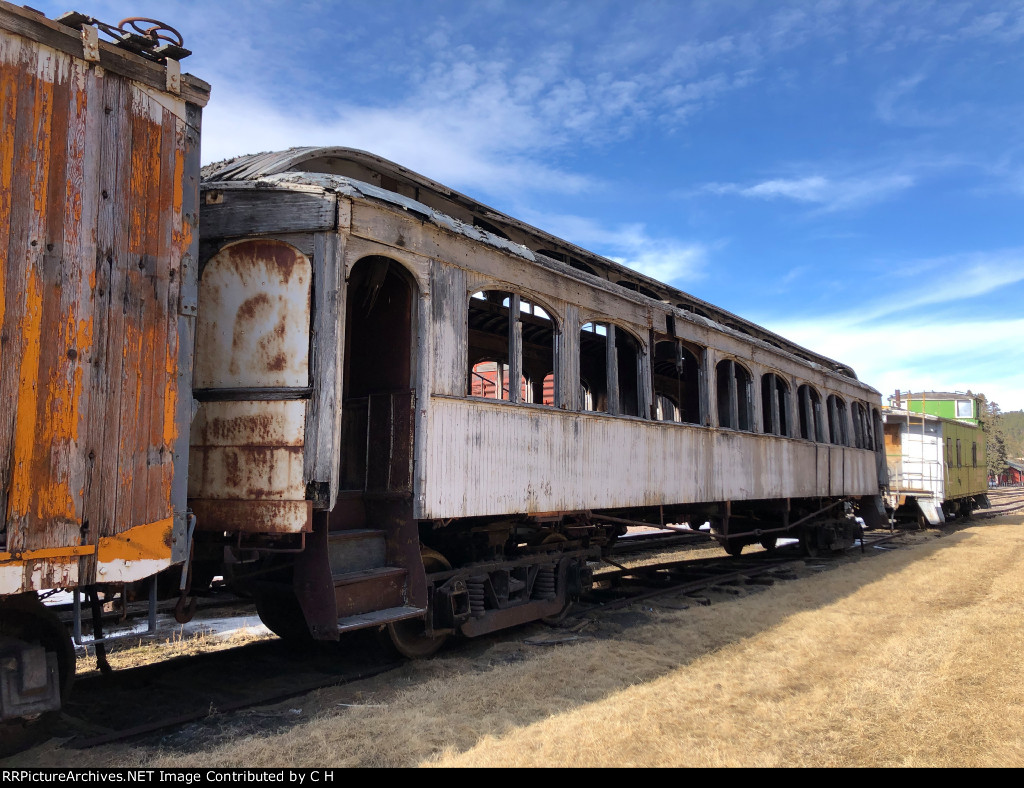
(486, 458)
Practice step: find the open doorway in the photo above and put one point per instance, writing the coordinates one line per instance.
(378, 396)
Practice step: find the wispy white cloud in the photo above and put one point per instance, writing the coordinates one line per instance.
(941, 324)
(829, 194)
(668, 260)
(894, 105)
(922, 354)
(443, 145)
(953, 279)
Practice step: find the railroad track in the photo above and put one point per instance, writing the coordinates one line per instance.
(645, 581)
(1004, 501)
(159, 701)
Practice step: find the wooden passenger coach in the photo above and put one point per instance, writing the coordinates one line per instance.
(99, 159)
(400, 372)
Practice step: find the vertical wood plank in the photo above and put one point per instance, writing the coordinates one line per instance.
(567, 357)
(27, 231)
(115, 171)
(12, 85)
(450, 315)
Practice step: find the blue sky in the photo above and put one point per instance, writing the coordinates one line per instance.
(847, 174)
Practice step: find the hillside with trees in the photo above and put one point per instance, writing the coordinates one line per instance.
(1012, 424)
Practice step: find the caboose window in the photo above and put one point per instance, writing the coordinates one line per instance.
(676, 377)
(775, 405)
(812, 425)
(735, 406)
(511, 348)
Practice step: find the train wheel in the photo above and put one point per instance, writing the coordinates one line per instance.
(409, 637)
(283, 616)
(769, 542)
(30, 621)
(559, 617)
(733, 547)
(809, 542)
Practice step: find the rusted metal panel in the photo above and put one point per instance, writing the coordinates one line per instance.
(93, 179)
(254, 317)
(248, 450)
(256, 517)
(523, 459)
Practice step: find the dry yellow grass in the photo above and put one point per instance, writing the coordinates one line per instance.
(912, 658)
(142, 651)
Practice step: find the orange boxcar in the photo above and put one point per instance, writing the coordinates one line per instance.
(99, 165)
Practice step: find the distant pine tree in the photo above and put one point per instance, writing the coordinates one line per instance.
(991, 418)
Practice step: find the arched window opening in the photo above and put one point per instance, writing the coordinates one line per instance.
(677, 373)
(775, 405)
(861, 426)
(812, 425)
(538, 341)
(666, 409)
(548, 389)
(735, 406)
(511, 348)
(627, 352)
(837, 428)
(610, 365)
(594, 363)
(490, 379)
(586, 397)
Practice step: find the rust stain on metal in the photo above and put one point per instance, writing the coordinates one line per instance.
(254, 317)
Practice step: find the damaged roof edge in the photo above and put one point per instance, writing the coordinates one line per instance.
(276, 168)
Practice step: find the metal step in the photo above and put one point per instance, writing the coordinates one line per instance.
(356, 593)
(348, 578)
(356, 550)
(376, 618)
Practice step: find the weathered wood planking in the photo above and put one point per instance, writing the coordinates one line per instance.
(92, 184)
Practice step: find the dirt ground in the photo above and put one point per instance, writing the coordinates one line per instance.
(909, 658)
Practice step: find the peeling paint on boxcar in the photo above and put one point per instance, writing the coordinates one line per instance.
(92, 179)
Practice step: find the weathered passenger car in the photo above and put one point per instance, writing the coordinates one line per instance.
(419, 412)
(99, 165)
(937, 467)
